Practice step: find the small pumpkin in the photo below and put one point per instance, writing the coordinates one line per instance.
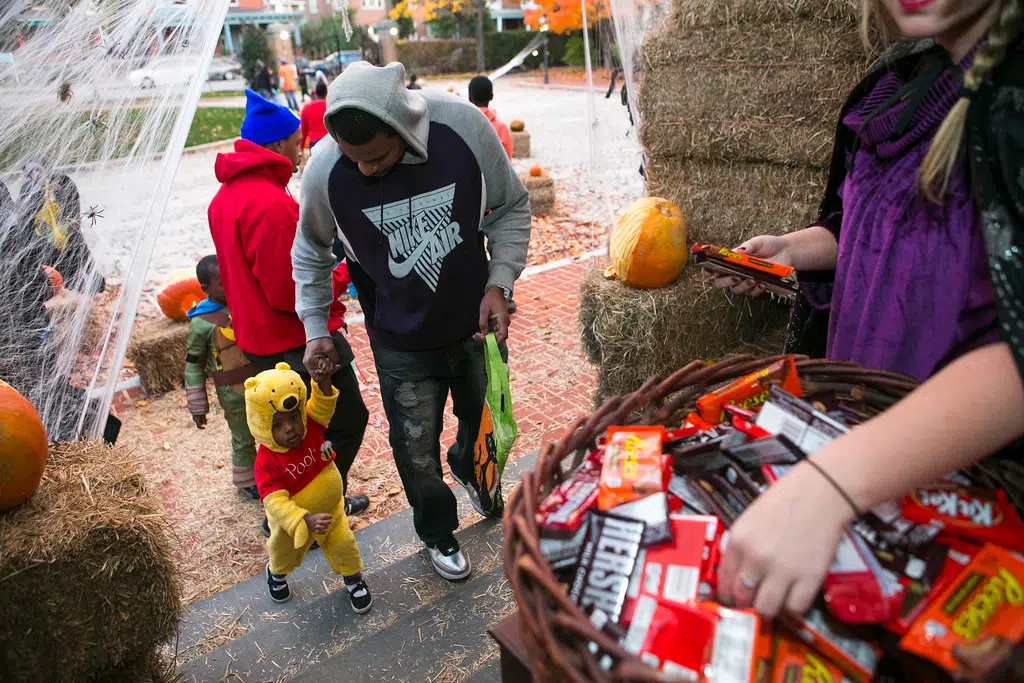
(23, 448)
(648, 244)
(56, 279)
(517, 126)
(178, 296)
(536, 171)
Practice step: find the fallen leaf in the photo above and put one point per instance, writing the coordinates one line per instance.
(167, 446)
(220, 466)
(394, 492)
(141, 404)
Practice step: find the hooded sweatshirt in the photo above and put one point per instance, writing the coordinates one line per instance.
(417, 232)
(252, 222)
(501, 129)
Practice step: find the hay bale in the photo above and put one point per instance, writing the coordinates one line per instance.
(520, 145)
(89, 587)
(728, 203)
(542, 193)
(157, 351)
(634, 334)
(715, 13)
(749, 92)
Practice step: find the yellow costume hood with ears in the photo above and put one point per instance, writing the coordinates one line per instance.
(273, 391)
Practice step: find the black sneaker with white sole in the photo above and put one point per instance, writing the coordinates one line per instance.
(448, 559)
(359, 596)
(278, 585)
(356, 504)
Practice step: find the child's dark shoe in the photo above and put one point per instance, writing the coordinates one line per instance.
(355, 504)
(359, 595)
(265, 527)
(278, 585)
(250, 491)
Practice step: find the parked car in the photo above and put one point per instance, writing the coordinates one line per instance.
(165, 70)
(223, 69)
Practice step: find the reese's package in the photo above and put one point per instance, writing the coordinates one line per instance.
(633, 465)
(985, 601)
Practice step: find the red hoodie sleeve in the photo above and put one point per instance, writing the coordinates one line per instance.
(505, 136)
(304, 126)
(268, 250)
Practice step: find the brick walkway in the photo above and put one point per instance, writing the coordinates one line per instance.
(552, 383)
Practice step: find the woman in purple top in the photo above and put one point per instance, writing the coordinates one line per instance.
(914, 266)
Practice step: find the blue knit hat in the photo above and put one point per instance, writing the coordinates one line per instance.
(266, 122)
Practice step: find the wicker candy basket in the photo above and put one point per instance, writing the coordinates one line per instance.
(563, 643)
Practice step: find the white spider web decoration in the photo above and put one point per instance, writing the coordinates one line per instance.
(76, 122)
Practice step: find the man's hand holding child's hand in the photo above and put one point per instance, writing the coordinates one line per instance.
(318, 523)
(200, 421)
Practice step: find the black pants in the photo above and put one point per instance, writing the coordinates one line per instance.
(414, 387)
(345, 432)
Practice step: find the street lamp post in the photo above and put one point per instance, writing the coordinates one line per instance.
(544, 30)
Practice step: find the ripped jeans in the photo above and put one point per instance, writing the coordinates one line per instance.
(414, 387)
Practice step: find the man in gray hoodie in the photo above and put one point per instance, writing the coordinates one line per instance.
(419, 190)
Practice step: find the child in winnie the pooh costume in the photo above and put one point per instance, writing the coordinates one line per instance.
(212, 352)
(301, 490)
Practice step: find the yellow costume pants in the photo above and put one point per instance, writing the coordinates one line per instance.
(338, 543)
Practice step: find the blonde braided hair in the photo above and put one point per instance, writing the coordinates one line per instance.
(937, 168)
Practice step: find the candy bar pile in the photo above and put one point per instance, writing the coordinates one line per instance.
(636, 533)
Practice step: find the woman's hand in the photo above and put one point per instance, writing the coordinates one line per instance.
(779, 550)
(767, 247)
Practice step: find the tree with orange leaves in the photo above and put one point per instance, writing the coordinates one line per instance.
(565, 16)
(431, 10)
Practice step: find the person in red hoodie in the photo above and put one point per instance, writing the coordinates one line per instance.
(312, 120)
(481, 92)
(253, 219)
(312, 123)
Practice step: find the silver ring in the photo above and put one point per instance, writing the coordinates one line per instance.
(748, 583)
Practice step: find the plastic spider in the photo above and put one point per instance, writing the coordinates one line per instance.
(94, 213)
(97, 121)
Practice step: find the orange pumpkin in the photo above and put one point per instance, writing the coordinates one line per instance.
(648, 244)
(536, 171)
(177, 297)
(56, 280)
(23, 448)
(517, 126)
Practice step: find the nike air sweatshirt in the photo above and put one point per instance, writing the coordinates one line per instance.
(419, 231)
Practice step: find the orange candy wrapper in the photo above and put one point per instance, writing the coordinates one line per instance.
(794, 662)
(749, 392)
(633, 465)
(985, 601)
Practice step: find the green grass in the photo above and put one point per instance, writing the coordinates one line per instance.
(212, 124)
(223, 93)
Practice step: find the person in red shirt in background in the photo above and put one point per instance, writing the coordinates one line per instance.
(312, 122)
(481, 92)
(253, 219)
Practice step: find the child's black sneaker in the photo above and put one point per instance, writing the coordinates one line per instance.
(356, 504)
(278, 584)
(250, 491)
(265, 527)
(359, 595)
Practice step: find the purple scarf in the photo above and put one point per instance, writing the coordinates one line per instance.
(912, 290)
